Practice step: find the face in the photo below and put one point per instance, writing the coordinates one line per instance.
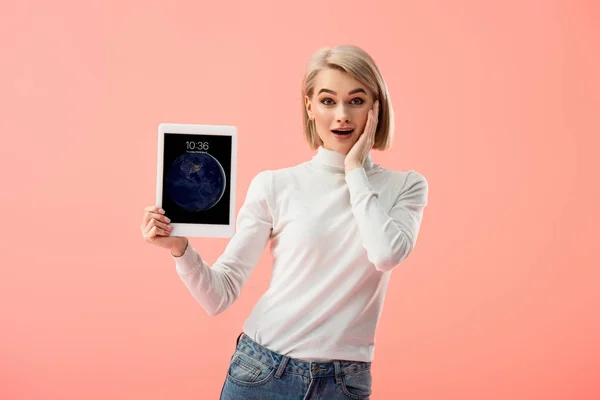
(339, 107)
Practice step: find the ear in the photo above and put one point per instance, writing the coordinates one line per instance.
(308, 105)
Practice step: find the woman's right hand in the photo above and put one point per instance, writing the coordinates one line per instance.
(156, 230)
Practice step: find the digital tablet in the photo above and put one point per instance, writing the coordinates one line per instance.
(196, 175)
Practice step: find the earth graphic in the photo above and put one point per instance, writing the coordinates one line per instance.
(195, 181)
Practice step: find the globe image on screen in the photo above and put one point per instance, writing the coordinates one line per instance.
(195, 181)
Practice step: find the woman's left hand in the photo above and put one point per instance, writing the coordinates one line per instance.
(358, 153)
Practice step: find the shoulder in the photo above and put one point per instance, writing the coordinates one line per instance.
(266, 177)
(265, 180)
(277, 173)
(260, 185)
(261, 180)
(282, 176)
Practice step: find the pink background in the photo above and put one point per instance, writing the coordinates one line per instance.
(496, 103)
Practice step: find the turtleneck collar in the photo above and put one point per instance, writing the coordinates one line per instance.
(334, 161)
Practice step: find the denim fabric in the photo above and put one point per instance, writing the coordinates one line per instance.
(257, 373)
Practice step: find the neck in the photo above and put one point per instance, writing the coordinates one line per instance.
(334, 161)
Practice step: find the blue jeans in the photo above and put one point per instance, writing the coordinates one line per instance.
(257, 373)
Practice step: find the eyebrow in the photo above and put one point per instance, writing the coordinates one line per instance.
(359, 90)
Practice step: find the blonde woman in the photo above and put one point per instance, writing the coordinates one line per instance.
(337, 226)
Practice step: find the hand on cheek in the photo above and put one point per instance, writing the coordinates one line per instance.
(360, 150)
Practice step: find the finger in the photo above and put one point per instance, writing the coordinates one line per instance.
(373, 131)
(163, 226)
(148, 215)
(369, 122)
(372, 124)
(376, 111)
(375, 120)
(148, 210)
(158, 217)
(148, 228)
(155, 208)
(161, 231)
(156, 232)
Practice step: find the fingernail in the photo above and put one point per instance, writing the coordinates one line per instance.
(161, 211)
(167, 219)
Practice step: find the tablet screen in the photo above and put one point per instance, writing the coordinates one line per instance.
(197, 178)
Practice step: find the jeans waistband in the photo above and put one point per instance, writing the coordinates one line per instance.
(287, 364)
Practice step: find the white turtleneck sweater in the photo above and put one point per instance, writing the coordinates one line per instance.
(334, 238)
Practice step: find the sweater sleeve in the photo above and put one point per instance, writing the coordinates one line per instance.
(218, 287)
(388, 237)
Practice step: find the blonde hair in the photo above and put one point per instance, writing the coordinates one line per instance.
(356, 62)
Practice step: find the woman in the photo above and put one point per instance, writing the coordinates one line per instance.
(337, 224)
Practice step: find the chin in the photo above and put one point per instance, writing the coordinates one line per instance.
(344, 147)
(339, 146)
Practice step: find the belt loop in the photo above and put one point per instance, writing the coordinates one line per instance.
(338, 372)
(238, 339)
(237, 342)
(282, 366)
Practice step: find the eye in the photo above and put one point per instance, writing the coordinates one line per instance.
(360, 101)
(324, 101)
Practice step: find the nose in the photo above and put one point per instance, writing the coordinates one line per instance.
(341, 114)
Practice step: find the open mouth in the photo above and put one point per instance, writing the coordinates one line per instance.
(342, 131)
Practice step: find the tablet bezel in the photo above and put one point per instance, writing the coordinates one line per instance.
(199, 230)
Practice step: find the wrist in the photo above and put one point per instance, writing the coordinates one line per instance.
(350, 166)
(179, 248)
